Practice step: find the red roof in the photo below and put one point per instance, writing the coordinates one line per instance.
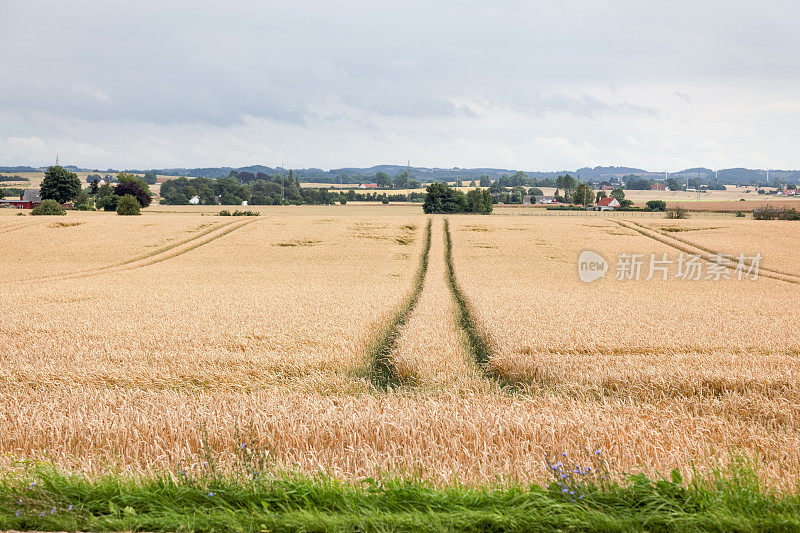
(605, 202)
(370, 185)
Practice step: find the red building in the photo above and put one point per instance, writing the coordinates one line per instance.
(27, 200)
(658, 186)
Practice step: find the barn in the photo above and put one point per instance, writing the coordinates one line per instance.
(29, 199)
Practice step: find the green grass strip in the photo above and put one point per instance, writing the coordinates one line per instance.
(53, 501)
(381, 371)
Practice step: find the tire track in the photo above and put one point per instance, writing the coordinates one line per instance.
(381, 370)
(17, 227)
(711, 251)
(480, 345)
(695, 250)
(158, 256)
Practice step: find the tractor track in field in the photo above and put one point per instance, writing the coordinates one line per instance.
(704, 253)
(157, 256)
(17, 227)
(381, 371)
(480, 346)
(713, 252)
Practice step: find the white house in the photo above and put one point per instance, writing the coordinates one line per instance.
(546, 200)
(607, 204)
(195, 200)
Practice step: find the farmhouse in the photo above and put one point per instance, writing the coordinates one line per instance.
(368, 186)
(29, 199)
(546, 200)
(658, 186)
(607, 204)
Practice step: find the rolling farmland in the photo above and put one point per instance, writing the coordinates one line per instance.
(368, 341)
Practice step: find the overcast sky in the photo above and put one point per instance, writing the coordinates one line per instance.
(514, 84)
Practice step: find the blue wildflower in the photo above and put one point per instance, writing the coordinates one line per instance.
(17, 513)
(565, 491)
(69, 508)
(53, 510)
(210, 494)
(563, 476)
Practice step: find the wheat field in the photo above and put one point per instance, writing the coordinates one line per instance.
(144, 343)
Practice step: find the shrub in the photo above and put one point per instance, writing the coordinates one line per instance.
(385, 201)
(224, 213)
(657, 205)
(774, 213)
(238, 213)
(84, 202)
(128, 205)
(739, 214)
(49, 207)
(343, 201)
(677, 212)
(565, 208)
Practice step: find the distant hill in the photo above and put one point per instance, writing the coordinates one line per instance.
(730, 176)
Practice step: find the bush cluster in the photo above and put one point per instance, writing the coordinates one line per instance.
(774, 213)
(49, 207)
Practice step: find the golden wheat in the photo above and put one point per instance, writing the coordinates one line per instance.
(260, 330)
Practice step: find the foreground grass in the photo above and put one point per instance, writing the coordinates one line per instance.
(49, 500)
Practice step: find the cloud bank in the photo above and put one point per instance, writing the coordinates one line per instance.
(512, 84)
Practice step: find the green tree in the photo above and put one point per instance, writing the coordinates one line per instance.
(106, 198)
(401, 180)
(673, 184)
(600, 195)
(132, 185)
(584, 195)
(150, 177)
(479, 201)
(567, 183)
(441, 198)
(128, 205)
(619, 194)
(484, 181)
(657, 205)
(84, 202)
(535, 191)
(60, 184)
(383, 180)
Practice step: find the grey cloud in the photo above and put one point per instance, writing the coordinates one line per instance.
(378, 67)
